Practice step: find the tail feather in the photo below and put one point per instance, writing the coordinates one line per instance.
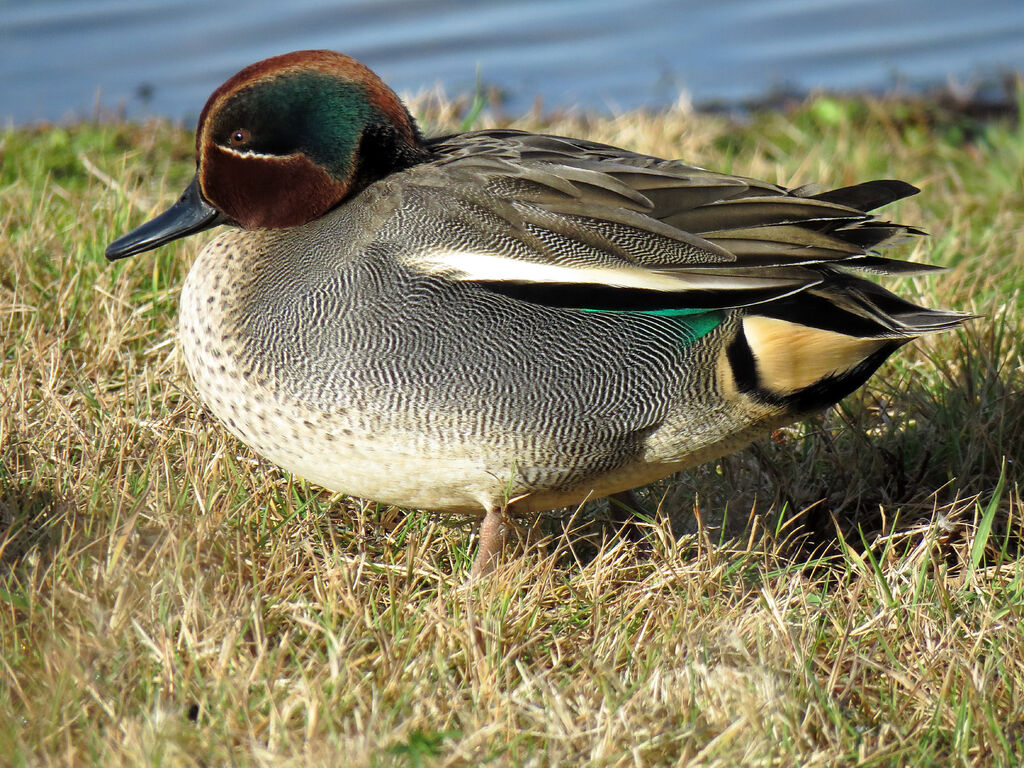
(830, 235)
(859, 308)
(868, 195)
(807, 350)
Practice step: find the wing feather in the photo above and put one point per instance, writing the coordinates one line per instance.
(567, 222)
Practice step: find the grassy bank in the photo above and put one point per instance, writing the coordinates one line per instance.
(853, 595)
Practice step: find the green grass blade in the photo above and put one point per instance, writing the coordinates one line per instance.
(984, 526)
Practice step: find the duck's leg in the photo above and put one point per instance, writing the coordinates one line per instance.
(492, 539)
(624, 507)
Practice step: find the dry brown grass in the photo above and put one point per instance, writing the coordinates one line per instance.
(166, 597)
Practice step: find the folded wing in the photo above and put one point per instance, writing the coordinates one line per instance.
(568, 223)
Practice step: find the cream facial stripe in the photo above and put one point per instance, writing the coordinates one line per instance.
(250, 154)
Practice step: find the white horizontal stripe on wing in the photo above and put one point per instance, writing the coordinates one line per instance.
(469, 266)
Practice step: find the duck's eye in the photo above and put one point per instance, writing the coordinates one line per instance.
(239, 137)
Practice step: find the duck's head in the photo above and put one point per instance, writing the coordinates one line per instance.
(281, 143)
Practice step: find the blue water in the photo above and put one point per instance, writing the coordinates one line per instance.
(63, 58)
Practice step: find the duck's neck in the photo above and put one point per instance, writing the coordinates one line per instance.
(385, 149)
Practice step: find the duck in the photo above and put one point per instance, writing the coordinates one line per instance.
(498, 322)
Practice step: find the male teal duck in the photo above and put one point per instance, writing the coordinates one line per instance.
(504, 322)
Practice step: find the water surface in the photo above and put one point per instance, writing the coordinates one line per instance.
(60, 58)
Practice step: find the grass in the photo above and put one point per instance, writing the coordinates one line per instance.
(847, 592)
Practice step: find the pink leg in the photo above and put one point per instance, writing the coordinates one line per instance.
(492, 539)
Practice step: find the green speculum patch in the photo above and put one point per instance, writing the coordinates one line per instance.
(695, 326)
(693, 323)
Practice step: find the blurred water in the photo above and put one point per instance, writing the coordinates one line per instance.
(60, 58)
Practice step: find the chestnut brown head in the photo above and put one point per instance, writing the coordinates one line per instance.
(284, 141)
